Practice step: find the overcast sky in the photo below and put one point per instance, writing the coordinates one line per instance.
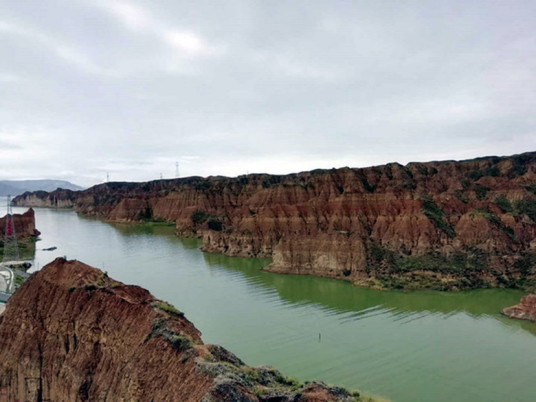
(229, 87)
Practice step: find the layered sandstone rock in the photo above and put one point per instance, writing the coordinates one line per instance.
(71, 333)
(59, 198)
(24, 225)
(525, 310)
(440, 225)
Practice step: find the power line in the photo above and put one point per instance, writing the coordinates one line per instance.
(11, 248)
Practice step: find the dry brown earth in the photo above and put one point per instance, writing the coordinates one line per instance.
(71, 333)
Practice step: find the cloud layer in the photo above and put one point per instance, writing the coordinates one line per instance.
(131, 87)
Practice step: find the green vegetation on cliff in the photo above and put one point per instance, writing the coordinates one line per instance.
(436, 215)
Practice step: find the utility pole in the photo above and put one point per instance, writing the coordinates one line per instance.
(177, 170)
(11, 249)
(107, 177)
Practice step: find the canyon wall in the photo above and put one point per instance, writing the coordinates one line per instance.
(71, 333)
(440, 225)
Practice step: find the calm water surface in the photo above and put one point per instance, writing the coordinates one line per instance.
(404, 346)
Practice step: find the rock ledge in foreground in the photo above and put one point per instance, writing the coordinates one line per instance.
(72, 333)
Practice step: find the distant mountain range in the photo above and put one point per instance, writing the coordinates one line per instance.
(16, 187)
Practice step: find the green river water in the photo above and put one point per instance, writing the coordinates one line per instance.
(422, 346)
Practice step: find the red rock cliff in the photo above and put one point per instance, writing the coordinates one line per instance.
(70, 333)
(441, 225)
(24, 225)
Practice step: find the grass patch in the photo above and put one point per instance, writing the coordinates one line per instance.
(422, 169)
(504, 205)
(491, 171)
(19, 280)
(26, 248)
(526, 206)
(159, 222)
(475, 174)
(202, 185)
(526, 262)
(168, 308)
(180, 342)
(377, 255)
(436, 215)
(456, 263)
(520, 163)
(271, 181)
(199, 216)
(481, 192)
(495, 221)
(102, 282)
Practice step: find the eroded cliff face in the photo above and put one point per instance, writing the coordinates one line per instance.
(71, 333)
(441, 225)
(525, 310)
(24, 225)
(59, 198)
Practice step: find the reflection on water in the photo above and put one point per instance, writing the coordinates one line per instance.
(155, 229)
(344, 297)
(406, 346)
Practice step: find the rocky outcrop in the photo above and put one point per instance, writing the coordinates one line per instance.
(525, 310)
(71, 333)
(441, 225)
(24, 225)
(59, 198)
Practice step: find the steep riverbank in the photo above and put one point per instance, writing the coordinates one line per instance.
(93, 338)
(25, 232)
(440, 225)
(24, 225)
(396, 344)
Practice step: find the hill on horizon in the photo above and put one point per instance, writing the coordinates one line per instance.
(16, 187)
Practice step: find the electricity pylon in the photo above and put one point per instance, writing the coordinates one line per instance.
(11, 248)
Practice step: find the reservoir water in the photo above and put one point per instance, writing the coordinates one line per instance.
(422, 346)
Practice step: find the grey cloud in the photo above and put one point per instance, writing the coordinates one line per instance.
(265, 86)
